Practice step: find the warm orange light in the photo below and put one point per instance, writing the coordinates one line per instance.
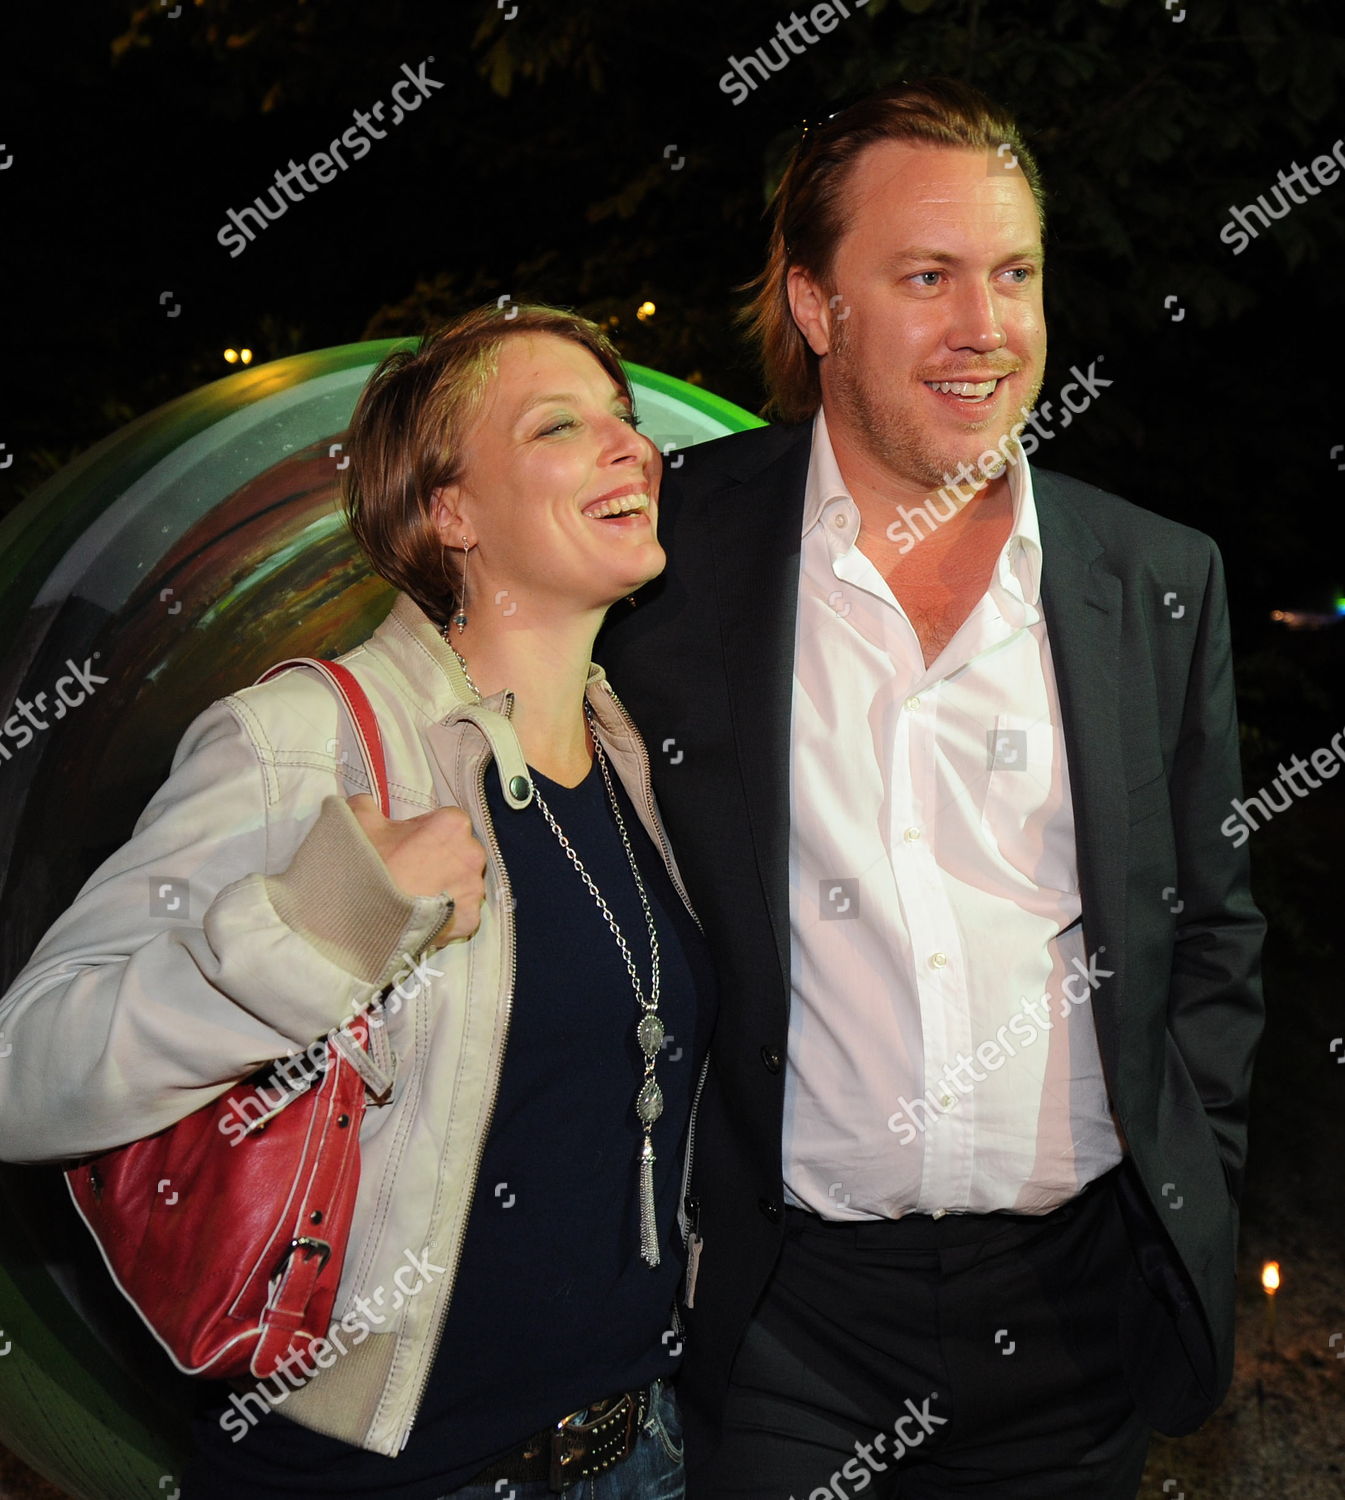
(1270, 1277)
(231, 356)
(645, 311)
(245, 355)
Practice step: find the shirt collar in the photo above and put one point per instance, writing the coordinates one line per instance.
(1016, 580)
(824, 476)
(1018, 568)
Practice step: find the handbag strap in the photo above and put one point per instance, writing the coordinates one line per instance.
(362, 716)
(359, 1053)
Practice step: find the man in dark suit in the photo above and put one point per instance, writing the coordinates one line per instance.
(946, 746)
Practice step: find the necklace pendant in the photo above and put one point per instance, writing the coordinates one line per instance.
(649, 1103)
(648, 1212)
(649, 1034)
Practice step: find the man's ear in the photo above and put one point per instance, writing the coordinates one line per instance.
(811, 308)
(446, 511)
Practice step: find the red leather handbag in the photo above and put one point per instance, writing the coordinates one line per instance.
(229, 1241)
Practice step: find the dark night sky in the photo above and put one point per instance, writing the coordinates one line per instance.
(127, 157)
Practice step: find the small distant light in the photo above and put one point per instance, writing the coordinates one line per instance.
(1340, 606)
(1277, 614)
(1270, 1282)
(645, 311)
(245, 355)
(231, 355)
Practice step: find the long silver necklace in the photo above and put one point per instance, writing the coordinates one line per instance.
(649, 1031)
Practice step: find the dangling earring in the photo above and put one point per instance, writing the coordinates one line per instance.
(460, 618)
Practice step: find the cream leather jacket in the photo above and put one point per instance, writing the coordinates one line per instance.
(248, 916)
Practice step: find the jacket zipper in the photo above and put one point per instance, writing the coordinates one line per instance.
(690, 1222)
(507, 914)
(689, 1213)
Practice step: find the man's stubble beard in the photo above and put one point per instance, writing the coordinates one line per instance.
(894, 439)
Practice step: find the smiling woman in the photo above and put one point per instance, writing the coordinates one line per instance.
(506, 449)
(528, 1157)
(413, 422)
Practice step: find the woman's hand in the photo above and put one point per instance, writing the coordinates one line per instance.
(425, 855)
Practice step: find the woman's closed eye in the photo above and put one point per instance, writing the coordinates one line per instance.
(562, 424)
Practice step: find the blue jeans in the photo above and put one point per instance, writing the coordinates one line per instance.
(653, 1471)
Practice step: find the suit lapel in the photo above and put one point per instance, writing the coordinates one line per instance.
(755, 524)
(1081, 599)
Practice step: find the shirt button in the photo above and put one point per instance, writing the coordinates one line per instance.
(939, 1213)
(769, 1209)
(771, 1058)
(912, 704)
(946, 1100)
(911, 835)
(938, 960)
(841, 520)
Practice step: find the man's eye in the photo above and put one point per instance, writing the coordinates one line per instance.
(927, 278)
(1021, 274)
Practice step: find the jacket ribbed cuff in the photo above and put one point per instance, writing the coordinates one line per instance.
(338, 895)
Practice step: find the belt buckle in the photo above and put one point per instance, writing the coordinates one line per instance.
(569, 1450)
(564, 1451)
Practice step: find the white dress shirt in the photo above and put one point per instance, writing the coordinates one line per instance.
(942, 1051)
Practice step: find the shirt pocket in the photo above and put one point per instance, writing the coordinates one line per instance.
(1027, 817)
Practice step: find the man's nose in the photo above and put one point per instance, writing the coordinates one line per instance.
(976, 322)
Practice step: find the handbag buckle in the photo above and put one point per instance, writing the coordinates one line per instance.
(308, 1246)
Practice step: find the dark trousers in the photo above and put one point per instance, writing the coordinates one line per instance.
(921, 1357)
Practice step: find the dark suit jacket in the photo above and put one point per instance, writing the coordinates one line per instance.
(1139, 636)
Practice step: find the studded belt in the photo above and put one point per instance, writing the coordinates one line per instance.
(572, 1450)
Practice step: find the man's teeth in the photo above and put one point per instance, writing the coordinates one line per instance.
(976, 390)
(619, 505)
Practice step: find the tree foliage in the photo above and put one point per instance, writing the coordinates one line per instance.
(586, 153)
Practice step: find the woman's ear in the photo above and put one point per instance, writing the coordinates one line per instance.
(446, 511)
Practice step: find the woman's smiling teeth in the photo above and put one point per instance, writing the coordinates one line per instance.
(617, 505)
(969, 390)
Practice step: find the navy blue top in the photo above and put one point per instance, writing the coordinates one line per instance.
(553, 1307)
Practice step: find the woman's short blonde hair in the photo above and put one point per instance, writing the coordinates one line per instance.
(808, 210)
(407, 438)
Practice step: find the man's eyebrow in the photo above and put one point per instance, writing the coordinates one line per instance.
(917, 253)
(942, 257)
